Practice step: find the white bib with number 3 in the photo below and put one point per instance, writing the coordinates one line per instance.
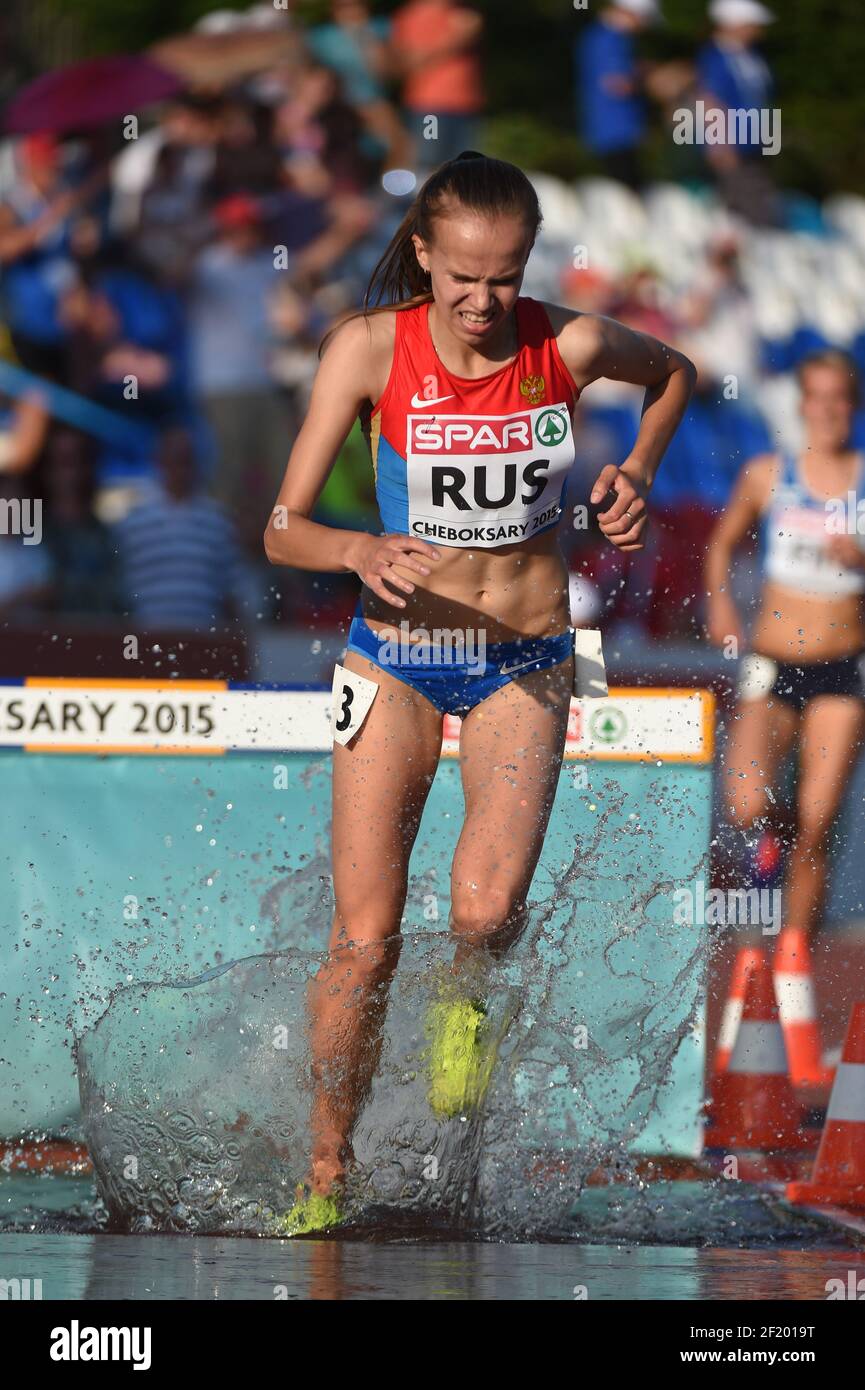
(352, 698)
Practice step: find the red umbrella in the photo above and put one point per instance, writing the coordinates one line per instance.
(88, 94)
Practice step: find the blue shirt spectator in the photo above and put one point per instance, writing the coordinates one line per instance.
(33, 288)
(730, 71)
(612, 114)
(234, 283)
(126, 324)
(178, 551)
(735, 77)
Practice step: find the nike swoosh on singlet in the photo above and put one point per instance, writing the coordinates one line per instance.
(418, 401)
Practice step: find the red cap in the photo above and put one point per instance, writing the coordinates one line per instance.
(237, 211)
(40, 149)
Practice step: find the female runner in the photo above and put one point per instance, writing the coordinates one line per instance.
(466, 391)
(803, 679)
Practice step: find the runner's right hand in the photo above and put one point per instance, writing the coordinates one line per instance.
(379, 555)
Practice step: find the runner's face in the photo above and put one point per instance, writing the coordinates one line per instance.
(827, 407)
(476, 265)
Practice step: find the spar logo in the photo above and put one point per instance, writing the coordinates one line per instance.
(608, 724)
(471, 434)
(550, 428)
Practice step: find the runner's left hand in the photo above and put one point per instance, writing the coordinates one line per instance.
(624, 522)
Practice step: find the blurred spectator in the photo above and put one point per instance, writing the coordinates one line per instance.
(719, 319)
(84, 577)
(356, 45)
(639, 304)
(173, 224)
(435, 48)
(321, 136)
(612, 113)
(732, 75)
(23, 427)
(232, 342)
(321, 210)
(178, 552)
(34, 254)
(188, 129)
(126, 335)
(589, 290)
(298, 328)
(160, 187)
(246, 158)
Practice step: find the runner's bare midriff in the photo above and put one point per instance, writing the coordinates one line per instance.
(510, 592)
(794, 627)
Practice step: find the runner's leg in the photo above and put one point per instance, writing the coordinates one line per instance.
(832, 732)
(762, 733)
(511, 747)
(380, 786)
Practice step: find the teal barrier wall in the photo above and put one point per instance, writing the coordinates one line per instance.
(126, 869)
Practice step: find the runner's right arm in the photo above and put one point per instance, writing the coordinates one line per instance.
(748, 498)
(350, 373)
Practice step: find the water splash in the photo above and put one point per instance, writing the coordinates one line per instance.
(196, 1094)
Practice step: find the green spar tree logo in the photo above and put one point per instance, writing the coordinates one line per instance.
(608, 725)
(550, 428)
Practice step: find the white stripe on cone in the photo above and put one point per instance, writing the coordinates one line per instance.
(796, 1001)
(759, 1049)
(730, 1020)
(848, 1094)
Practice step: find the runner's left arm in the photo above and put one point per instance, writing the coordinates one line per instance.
(592, 347)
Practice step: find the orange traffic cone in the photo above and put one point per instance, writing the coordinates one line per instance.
(794, 988)
(753, 1105)
(839, 1173)
(745, 962)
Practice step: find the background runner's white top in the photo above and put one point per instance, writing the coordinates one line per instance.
(796, 537)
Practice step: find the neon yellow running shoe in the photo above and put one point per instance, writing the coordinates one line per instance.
(312, 1211)
(461, 1055)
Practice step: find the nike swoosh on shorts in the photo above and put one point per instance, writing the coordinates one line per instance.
(509, 670)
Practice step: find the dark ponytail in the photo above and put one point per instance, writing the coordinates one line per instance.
(473, 182)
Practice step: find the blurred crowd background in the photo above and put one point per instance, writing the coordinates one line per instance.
(190, 197)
